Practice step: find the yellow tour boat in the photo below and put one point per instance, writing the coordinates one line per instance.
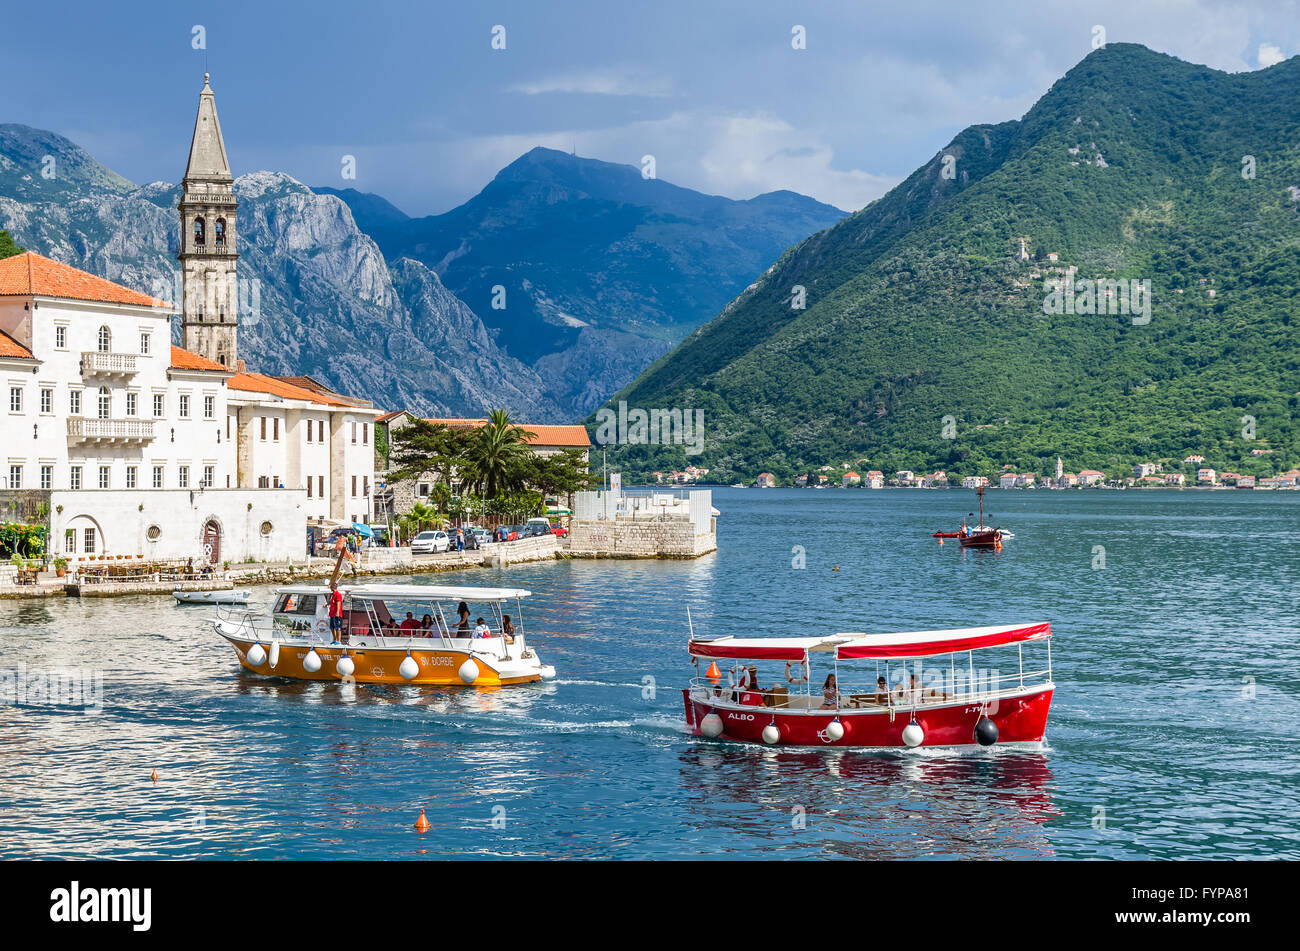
(390, 634)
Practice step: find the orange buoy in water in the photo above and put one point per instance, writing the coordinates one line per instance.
(712, 673)
(154, 775)
(941, 541)
(422, 824)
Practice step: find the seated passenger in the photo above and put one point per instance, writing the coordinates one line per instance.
(830, 693)
(409, 626)
(426, 626)
(507, 629)
(752, 696)
(882, 691)
(481, 629)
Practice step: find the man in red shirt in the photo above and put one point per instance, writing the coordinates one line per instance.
(409, 626)
(336, 613)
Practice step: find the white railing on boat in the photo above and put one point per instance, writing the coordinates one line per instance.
(983, 689)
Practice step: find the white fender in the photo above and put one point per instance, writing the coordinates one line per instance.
(275, 652)
(711, 725)
(771, 734)
(311, 663)
(256, 655)
(409, 668)
(913, 735)
(468, 671)
(345, 667)
(835, 730)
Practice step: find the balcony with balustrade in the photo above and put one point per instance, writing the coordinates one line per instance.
(99, 363)
(85, 431)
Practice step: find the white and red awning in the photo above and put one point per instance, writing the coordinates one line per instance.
(870, 646)
(765, 648)
(929, 643)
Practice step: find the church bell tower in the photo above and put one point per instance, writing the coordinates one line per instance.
(209, 292)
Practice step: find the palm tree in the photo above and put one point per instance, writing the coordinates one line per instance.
(497, 453)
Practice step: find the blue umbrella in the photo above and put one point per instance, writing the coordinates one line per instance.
(363, 529)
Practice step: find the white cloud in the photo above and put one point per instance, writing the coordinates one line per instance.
(1269, 55)
(599, 82)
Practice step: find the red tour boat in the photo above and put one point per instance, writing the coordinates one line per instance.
(925, 689)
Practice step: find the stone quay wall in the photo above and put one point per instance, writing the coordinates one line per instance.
(638, 538)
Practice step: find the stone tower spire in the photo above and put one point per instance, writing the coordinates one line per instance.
(209, 294)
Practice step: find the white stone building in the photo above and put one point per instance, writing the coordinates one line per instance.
(144, 449)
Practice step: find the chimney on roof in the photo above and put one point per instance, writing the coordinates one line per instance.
(239, 366)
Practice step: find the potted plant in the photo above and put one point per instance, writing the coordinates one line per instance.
(60, 566)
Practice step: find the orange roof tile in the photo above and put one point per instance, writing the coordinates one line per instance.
(572, 436)
(9, 347)
(259, 383)
(184, 360)
(30, 274)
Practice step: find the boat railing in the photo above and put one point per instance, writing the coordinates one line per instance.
(852, 696)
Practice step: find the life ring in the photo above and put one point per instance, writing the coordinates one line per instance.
(796, 680)
(322, 626)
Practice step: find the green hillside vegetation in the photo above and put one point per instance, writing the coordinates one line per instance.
(918, 309)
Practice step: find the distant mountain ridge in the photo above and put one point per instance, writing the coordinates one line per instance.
(924, 343)
(328, 304)
(601, 269)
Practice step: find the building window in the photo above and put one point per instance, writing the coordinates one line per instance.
(354, 487)
(209, 476)
(263, 435)
(105, 340)
(157, 477)
(320, 486)
(200, 232)
(219, 232)
(144, 344)
(158, 406)
(227, 426)
(130, 404)
(263, 482)
(74, 402)
(275, 429)
(209, 407)
(60, 338)
(183, 477)
(103, 477)
(422, 490)
(47, 477)
(89, 546)
(15, 399)
(15, 477)
(309, 495)
(47, 401)
(69, 541)
(105, 403)
(365, 485)
(309, 425)
(74, 478)
(354, 438)
(130, 476)
(185, 406)
(365, 434)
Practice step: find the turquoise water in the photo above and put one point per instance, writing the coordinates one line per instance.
(1157, 720)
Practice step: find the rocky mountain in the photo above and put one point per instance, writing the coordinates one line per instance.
(324, 300)
(1161, 198)
(599, 269)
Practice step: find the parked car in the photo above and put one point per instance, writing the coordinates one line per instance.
(471, 540)
(427, 543)
(511, 533)
(536, 529)
(559, 530)
(481, 535)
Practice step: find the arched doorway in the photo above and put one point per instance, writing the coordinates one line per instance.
(212, 541)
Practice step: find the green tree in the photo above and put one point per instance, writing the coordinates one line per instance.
(496, 456)
(7, 246)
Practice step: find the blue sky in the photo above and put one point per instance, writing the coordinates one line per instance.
(714, 90)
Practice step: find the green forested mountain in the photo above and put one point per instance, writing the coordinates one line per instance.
(1133, 166)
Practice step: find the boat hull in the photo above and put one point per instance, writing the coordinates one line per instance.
(376, 665)
(983, 540)
(1019, 719)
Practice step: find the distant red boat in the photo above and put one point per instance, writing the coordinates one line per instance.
(946, 535)
(980, 536)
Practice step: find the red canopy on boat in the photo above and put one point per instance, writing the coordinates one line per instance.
(765, 648)
(929, 643)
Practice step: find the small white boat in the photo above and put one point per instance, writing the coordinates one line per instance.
(231, 596)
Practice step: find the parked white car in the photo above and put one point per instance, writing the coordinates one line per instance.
(427, 543)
